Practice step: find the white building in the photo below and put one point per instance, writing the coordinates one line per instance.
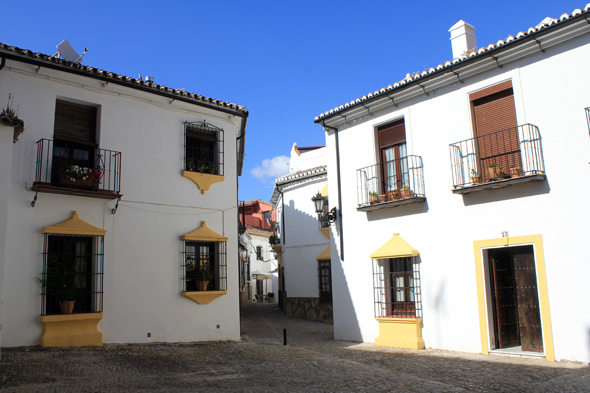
(304, 249)
(457, 254)
(121, 196)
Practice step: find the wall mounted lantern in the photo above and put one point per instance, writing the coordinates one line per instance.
(321, 208)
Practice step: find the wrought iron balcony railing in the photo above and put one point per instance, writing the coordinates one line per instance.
(72, 168)
(508, 156)
(391, 183)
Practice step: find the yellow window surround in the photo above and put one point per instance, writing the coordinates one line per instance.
(537, 241)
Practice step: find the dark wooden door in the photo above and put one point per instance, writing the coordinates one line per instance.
(529, 317)
(506, 327)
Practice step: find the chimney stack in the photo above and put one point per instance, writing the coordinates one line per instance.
(462, 38)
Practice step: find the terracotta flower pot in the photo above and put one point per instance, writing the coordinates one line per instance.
(495, 172)
(67, 307)
(65, 180)
(393, 195)
(406, 193)
(202, 285)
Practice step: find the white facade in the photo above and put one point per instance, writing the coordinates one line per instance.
(266, 265)
(142, 247)
(301, 239)
(550, 93)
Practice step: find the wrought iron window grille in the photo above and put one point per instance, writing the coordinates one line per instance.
(73, 269)
(204, 262)
(203, 148)
(506, 155)
(397, 288)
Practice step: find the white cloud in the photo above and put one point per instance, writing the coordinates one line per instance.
(273, 167)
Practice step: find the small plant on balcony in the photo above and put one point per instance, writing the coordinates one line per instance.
(201, 167)
(495, 170)
(60, 281)
(75, 175)
(201, 274)
(373, 197)
(475, 178)
(9, 117)
(212, 168)
(190, 166)
(406, 192)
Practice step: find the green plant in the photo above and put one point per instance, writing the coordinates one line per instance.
(190, 165)
(212, 168)
(8, 111)
(373, 193)
(494, 165)
(200, 272)
(270, 294)
(406, 187)
(59, 279)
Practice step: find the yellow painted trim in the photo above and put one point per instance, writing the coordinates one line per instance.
(71, 330)
(537, 242)
(75, 226)
(396, 247)
(324, 191)
(203, 180)
(325, 232)
(325, 255)
(400, 333)
(203, 297)
(204, 234)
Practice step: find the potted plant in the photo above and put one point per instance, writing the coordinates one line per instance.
(59, 282)
(271, 297)
(495, 170)
(9, 117)
(373, 197)
(406, 192)
(78, 176)
(273, 239)
(475, 178)
(516, 171)
(393, 195)
(200, 275)
(212, 168)
(201, 167)
(190, 166)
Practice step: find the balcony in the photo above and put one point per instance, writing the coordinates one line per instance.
(390, 184)
(77, 169)
(500, 159)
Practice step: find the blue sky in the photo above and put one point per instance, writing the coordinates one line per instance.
(287, 62)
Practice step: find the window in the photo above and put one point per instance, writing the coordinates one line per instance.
(203, 148)
(259, 253)
(205, 267)
(393, 153)
(397, 288)
(72, 280)
(325, 278)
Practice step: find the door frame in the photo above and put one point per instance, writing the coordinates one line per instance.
(479, 248)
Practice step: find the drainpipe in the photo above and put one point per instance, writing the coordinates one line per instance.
(339, 189)
(238, 171)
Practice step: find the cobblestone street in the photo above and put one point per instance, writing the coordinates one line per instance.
(312, 361)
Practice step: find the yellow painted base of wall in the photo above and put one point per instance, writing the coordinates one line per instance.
(203, 180)
(71, 330)
(400, 333)
(203, 297)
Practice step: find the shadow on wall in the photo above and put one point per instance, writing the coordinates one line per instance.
(502, 194)
(345, 319)
(400, 211)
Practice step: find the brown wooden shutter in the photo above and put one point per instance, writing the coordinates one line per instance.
(75, 123)
(392, 134)
(493, 113)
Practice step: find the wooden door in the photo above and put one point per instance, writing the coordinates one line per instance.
(529, 317)
(506, 327)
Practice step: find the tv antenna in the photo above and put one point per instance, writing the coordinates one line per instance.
(65, 50)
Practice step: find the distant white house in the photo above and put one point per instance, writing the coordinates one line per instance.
(462, 220)
(304, 248)
(120, 197)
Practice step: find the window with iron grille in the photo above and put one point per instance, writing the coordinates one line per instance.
(205, 266)
(203, 148)
(72, 279)
(396, 283)
(325, 278)
(259, 253)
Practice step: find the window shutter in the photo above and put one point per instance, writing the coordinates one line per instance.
(75, 123)
(392, 134)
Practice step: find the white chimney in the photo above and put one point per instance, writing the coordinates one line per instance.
(462, 38)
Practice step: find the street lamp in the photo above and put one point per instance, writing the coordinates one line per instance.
(321, 209)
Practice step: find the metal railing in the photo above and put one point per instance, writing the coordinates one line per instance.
(390, 181)
(72, 165)
(514, 152)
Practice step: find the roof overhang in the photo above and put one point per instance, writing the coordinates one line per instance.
(204, 234)
(74, 226)
(459, 69)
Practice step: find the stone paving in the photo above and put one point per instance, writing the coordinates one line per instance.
(311, 362)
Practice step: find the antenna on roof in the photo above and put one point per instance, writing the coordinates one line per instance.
(65, 50)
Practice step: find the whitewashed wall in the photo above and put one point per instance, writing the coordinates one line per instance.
(142, 262)
(549, 92)
(268, 263)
